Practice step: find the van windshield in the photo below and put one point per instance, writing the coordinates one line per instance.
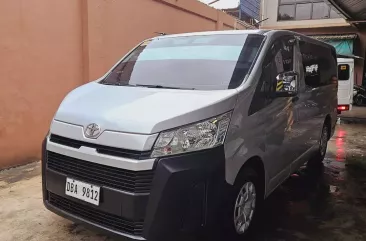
(207, 62)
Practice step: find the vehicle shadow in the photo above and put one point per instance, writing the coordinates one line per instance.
(296, 208)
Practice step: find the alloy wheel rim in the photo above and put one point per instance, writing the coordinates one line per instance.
(245, 207)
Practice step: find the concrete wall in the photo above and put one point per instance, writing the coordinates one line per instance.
(49, 47)
(269, 10)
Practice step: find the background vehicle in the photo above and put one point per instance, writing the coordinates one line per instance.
(345, 83)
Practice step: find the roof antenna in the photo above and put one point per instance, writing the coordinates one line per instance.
(262, 20)
(161, 33)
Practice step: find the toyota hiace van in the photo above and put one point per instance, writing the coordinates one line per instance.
(190, 130)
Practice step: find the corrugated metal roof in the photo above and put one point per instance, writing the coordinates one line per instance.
(353, 9)
(250, 8)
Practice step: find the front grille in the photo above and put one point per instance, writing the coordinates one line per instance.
(96, 216)
(125, 180)
(107, 150)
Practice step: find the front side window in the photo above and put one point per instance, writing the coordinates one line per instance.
(204, 62)
(279, 59)
(305, 10)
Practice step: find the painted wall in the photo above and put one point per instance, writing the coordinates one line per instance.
(269, 9)
(115, 26)
(40, 61)
(48, 48)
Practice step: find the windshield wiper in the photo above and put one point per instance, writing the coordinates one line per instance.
(162, 87)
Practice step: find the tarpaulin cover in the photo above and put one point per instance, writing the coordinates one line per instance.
(342, 46)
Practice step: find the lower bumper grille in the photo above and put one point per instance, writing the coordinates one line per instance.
(96, 216)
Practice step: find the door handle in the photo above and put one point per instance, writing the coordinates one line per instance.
(295, 99)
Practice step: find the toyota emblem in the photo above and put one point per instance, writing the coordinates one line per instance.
(92, 131)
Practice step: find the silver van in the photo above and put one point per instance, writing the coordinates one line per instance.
(190, 132)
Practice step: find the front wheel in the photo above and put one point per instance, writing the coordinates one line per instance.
(243, 206)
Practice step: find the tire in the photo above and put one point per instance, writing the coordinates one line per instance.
(244, 203)
(323, 145)
(358, 100)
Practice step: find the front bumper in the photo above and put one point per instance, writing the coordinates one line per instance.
(184, 199)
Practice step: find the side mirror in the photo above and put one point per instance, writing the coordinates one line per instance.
(287, 84)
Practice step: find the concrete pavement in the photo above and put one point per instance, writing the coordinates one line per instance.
(356, 115)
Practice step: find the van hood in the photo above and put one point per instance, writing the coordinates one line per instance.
(141, 110)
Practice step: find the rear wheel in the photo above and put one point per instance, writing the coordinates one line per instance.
(323, 145)
(358, 100)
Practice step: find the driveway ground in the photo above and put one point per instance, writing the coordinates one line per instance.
(356, 115)
(327, 203)
(23, 216)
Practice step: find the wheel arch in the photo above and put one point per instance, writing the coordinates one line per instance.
(255, 163)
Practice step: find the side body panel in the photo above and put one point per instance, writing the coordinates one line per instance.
(260, 126)
(282, 132)
(302, 138)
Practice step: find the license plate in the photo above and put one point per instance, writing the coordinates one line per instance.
(83, 191)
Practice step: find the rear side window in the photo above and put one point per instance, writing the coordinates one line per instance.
(343, 72)
(320, 64)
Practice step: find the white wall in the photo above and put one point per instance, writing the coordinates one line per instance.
(269, 9)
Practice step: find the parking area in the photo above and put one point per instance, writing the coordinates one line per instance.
(357, 114)
(327, 203)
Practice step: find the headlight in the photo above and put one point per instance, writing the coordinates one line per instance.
(199, 136)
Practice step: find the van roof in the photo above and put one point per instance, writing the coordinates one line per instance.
(266, 32)
(344, 60)
(258, 31)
